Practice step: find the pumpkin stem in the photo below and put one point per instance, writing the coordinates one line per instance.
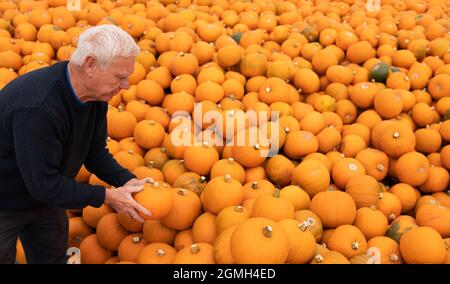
(392, 216)
(182, 192)
(380, 167)
(255, 185)
(227, 178)
(267, 231)
(231, 160)
(195, 249)
(355, 245)
(160, 252)
(130, 152)
(238, 208)
(163, 149)
(380, 195)
(257, 146)
(136, 239)
(396, 135)
(353, 167)
(202, 179)
(276, 193)
(318, 258)
(287, 129)
(120, 108)
(150, 164)
(155, 184)
(393, 257)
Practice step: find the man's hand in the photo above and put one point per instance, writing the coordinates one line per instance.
(136, 182)
(120, 199)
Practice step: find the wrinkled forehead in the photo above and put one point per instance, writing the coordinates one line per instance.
(122, 65)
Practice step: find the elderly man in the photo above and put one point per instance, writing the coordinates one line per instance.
(52, 121)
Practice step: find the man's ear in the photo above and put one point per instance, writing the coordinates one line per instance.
(90, 65)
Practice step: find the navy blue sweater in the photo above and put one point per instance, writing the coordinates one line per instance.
(46, 134)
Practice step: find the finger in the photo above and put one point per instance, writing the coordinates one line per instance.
(148, 180)
(141, 209)
(133, 189)
(134, 215)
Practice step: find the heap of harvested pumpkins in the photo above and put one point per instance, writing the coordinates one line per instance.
(363, 95)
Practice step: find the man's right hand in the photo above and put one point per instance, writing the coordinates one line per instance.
(120, 199)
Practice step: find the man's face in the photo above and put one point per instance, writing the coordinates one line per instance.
(106, 84)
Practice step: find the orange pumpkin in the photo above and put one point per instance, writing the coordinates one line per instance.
(388, 248)
(348, 240)
(222, 252)
(334, 208)
(78, 231)
(109, 231)
(273, 207)
(92, 252)
(436, 217)
(221, 192)
(259, 240)
(302, 244)
(131, 246)
(230, 216)
(204, 229)
(312, 176)
(399, 226)
(156, 253)
(186, 208)
(422, 245)
(156, 198)
(371, 222)
(365, 190)
(155, 231)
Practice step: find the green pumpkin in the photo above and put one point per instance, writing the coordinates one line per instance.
(237, 36)
(447, 116)
(379, 72)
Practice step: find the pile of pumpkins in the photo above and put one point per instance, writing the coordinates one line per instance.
(361, 173)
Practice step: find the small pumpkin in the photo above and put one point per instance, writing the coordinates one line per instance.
(273, 207)
(156, 232)
(389, 250)
(364, 189)
(330, 257)
(198, 253)
(156, 253)
(302, 244)
(334, 208)
(221, 192)
(312, 176)
(109, 231)
(186, 208)
(255, 189)
(78, 231)
(156, 198)
(231, 216)
(399, 226)
(204, 229)
(131, 246)
(371, 222)
(183, 239)
(222, 252)
(92, 252)
(311, 221)
(436, 217)
(348, 240)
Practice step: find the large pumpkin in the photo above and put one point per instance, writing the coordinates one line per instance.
(259, 240)
(156, 253)
(230, 216)
(422, 245)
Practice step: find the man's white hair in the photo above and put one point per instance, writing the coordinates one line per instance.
(104, 42)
